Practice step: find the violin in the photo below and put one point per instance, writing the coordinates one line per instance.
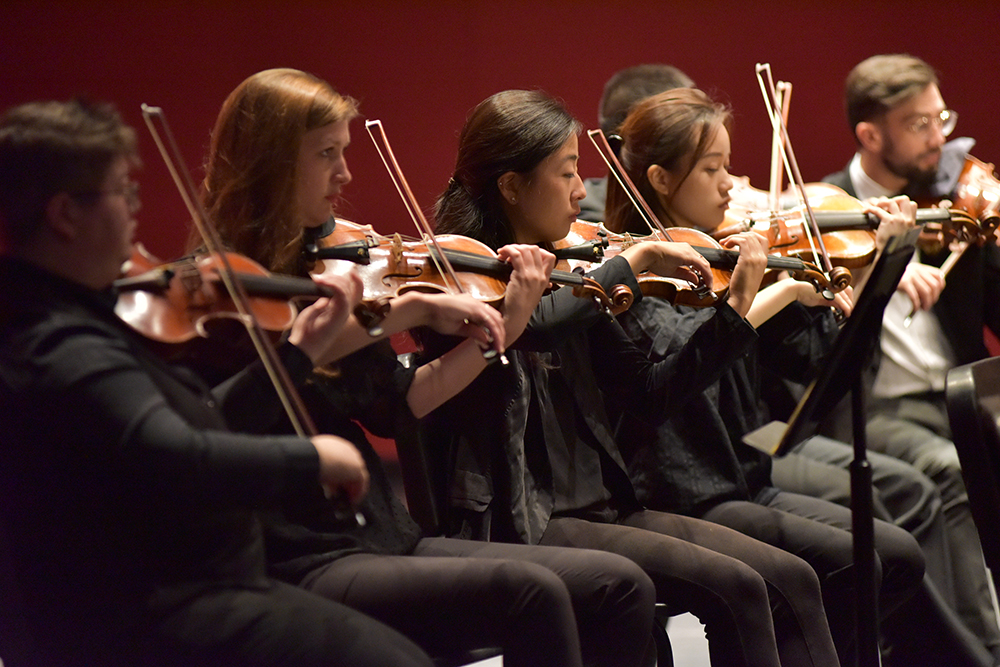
(391, 266)
(977, 195)
(172, 302)
(847, 231)
(722, 261)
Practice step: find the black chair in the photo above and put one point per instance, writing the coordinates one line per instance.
(16, 645)
(972, 393)
(422, 468)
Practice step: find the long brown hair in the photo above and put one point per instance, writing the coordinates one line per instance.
(514, 130)
(672, 129)
(250, 177)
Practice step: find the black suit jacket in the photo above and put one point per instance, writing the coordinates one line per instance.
(971, 297)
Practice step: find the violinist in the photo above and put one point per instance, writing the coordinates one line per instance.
(900, 124)
(533, 455)
(676, 149)
(542, 606)
(621, 92)
(129, 528)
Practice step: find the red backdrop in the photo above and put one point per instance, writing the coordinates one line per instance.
(420, 67)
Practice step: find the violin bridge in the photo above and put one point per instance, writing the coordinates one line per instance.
(397, 252)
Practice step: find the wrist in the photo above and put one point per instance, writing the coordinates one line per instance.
(637, 257)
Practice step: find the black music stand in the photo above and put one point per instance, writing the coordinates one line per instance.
(841, 374)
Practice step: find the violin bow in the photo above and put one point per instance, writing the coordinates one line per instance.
(784, 97)
(440, 259)
(618, 171)
(276, 371)
(791, 164)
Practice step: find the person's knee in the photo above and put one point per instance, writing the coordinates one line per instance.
(744, 586)
(900, 556)
(623, 582)
(524, 586)
(796, 579)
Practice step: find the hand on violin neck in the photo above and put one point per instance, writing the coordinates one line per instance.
(668, 259)
(749, 269)
(896, 216)
(317, 328)
(529, 279)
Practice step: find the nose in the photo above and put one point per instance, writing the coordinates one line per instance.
(727, 182)
(579, 189)
(937, 136)
(342, 175)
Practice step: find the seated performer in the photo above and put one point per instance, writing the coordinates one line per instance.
(128, 506)
(533, 458)
(900, 124)
(510, 596)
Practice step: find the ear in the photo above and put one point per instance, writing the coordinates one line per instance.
(62, 215)
(869, 136)
(661, 179)
(509, 184)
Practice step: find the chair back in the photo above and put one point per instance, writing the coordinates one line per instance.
(16, 645)
(972, 393)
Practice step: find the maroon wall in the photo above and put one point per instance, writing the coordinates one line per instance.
(420, 66)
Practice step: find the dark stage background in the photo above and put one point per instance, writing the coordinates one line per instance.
(421, 66)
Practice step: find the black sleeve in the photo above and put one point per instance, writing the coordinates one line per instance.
(370, 386)
(652, 390)
(561, 313)
(146, 426)
(991, 286)
(249, 400)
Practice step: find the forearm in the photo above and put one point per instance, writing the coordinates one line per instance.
(440, 380)
(562, 313)
(406, 312)
(773, 299)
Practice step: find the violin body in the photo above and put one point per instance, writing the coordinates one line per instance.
(977, 193)
(173, 303)
(682, 292)
(392, 267)
(674, 290)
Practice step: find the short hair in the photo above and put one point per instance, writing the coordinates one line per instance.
(630, 85)
(250, 176)
(52, 147)
(514, 130)
(883, 82)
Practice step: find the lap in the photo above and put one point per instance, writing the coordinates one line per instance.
(280, 625)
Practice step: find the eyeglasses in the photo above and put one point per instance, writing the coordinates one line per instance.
(944, 121)
(130, 191)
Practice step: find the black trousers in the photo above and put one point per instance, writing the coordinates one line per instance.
(540, 604)
(819, 532)
(729, 581)
(271, 625)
